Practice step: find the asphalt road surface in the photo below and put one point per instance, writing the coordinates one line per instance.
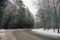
(28, 35)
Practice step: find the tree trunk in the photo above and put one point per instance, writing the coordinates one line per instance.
(58, 30)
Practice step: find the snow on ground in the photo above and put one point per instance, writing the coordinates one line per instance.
(47, 32)
(2, 34)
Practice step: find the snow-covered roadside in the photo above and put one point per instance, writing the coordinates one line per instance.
(2, 34)
(49, 33)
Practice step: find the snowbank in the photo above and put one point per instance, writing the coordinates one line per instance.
(49, 33)
(2, 34)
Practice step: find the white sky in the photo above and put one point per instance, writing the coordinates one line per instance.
(29, 4)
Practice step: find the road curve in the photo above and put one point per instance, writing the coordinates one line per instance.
(28, 35)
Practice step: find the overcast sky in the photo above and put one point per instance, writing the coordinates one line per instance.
(29, 4)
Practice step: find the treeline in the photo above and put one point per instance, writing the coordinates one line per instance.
(14, 15)
(48, 13)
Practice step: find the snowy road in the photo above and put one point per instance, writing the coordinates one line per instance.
(23, 35)
(29, 35)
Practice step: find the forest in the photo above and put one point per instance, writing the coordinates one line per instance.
(48, 14)
(14, 15)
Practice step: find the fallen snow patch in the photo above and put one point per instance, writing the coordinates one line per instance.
(47, 32)
(2, 34)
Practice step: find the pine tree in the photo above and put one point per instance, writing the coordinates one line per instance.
(2, 7)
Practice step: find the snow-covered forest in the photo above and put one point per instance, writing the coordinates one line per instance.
(14, 14)
(48, 14)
